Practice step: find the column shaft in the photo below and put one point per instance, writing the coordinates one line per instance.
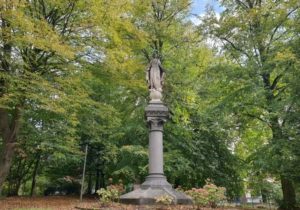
(156, 152)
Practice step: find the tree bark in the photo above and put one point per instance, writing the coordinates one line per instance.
(89, 189)
(97, 185)
(16, 187)
(264, 195)
(36, 166)
(287, 186)
(9, 132)
(102, 179)
(6, 157)
(288, 190)
(14, 179)
(289, 196)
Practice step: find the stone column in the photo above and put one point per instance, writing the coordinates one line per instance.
(156, 183)
(156, 114)
(156, 147)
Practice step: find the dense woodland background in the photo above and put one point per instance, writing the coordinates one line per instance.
(72, 72)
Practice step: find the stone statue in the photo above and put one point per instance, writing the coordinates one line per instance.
(155, 75)
(156, 114)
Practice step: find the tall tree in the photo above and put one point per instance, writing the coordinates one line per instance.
(162, 28)
(39, 45)
(257, 35)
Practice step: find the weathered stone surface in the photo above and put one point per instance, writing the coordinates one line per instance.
(155, 75)
(155, 95)
(157, 114)
(156, 183)
(153, 187)
(147, 196)
(158, 110)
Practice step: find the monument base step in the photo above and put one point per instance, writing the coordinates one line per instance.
(154, 187)
(148, 196)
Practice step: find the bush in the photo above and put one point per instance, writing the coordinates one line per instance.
(215, 194)
(199, 196)
(210, 195)
(110, 194)
(164, 199)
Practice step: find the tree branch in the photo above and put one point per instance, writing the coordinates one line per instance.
(259, 118)
(234, 46)
(242, 4)
(16, 123)
(275, 81)
(278, 26)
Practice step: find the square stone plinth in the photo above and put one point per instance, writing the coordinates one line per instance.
(152, 188)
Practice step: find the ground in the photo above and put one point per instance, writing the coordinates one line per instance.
(68, 203)
(46, 203)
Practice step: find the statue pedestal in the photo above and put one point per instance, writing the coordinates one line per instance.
(156, 183)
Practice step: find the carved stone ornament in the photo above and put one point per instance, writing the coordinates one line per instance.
(155, 77)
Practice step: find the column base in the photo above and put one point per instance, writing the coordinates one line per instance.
(155, 185)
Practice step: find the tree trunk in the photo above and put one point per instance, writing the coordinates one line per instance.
(15, 190)
(102, 180)
(6, 157)
(289, 196)
(264, 195)
(9, 133)
(14, 178)
(34, 174)
(287, 186)
(97, 185)
(9, 187)
(89, 189)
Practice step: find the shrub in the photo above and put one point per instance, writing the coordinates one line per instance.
(200, 196)
(110, 194)
(210, 195)
(164, 199)
(215, 194)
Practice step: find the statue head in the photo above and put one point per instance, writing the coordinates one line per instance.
(156, 61)
(156, 54)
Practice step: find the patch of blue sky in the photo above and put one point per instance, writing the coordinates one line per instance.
(199, 6)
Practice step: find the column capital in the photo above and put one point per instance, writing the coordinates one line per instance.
(156, 115)
(155, 123)
(157, 110)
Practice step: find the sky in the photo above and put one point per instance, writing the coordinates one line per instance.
(199, 6)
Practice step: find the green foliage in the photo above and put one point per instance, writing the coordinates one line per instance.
(164, 199)
(215, 194)
(256, 85)
(209, 195)
(131, 165)
(200, 196)
(80, 80)
(111, 194)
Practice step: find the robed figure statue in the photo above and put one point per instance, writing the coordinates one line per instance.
(155, 75)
